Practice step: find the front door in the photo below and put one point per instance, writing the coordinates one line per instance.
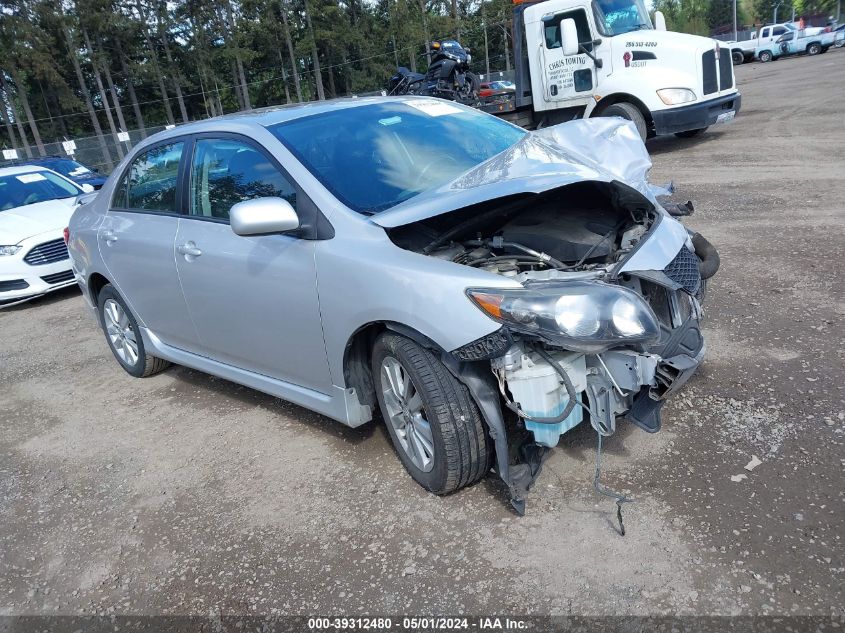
(567, 80)
(253, 299)
(136, 241)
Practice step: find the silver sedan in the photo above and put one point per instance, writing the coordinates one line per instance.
(485, 289)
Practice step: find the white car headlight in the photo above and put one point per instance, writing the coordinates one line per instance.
(583, 316)
(9, 250)
(674, 96)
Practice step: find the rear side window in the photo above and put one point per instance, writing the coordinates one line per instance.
(225, 172)
(779, 30)
(150, 182)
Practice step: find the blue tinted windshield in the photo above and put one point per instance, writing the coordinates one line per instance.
(374, 156)
(615, 17)
(20, 190)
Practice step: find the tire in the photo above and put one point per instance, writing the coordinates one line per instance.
(737, 57)
(691, 133)
(123, 335)
(461, 451)
(765, 56)
(630, 112)
(814, 49)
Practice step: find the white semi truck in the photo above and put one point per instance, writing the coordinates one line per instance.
(586, 58)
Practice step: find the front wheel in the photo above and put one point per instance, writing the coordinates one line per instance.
(765, 56)
(691, 133)
(432, 420)
(124, 337)
(630, 112)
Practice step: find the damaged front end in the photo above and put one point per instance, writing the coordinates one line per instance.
(604, 322)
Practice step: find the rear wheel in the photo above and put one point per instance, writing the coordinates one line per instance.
(630, 112)
(691, 133)
(124, 336)
(814, 49)
(433, 422)
(737, 57)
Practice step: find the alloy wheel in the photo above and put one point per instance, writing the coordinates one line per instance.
(406, 414)
(120, 332)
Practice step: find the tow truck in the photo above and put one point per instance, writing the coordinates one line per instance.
(587, 58)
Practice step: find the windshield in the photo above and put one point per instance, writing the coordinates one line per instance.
(615, 17)
(375, 156)
(19, 190)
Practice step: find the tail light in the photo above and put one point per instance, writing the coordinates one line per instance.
(66, 234)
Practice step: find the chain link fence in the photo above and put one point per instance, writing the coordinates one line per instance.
(101, 153)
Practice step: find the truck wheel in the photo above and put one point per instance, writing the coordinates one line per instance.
(691, 133)
(814, 49)
(737, 57)
(433, 422)
(630, 112)
(765, 56)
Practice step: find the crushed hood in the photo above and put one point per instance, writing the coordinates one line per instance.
(601, 149)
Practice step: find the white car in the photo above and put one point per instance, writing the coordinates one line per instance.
(35, 207)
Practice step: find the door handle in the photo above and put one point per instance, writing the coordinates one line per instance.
(109, 236)
(189, 249)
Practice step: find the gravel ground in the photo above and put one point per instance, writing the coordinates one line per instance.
(186, 494)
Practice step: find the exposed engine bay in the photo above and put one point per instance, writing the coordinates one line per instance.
(583, 338)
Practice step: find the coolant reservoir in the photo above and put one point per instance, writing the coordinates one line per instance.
(540, 393)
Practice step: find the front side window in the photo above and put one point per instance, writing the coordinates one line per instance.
(614, 17)
(20, 190)
(374, 156)
(225, 172)
(150, 182)
(552, 29)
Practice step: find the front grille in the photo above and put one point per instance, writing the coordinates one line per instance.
(708, 72)
(726, 67)
(57, 278)
(13, 284)
(47, 253)
(683, 270)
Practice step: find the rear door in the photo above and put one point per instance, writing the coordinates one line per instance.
(253, 299)
(136, 242)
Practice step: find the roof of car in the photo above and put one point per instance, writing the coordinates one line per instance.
(282, 113)
(21, 169)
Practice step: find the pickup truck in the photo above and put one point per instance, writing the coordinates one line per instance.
(807, 41)
(746, 51)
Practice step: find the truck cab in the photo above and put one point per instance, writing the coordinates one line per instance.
(605, 58)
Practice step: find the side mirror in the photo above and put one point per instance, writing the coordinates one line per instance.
(659, 21)
(569, 37)
(86, 188)
(262, 216)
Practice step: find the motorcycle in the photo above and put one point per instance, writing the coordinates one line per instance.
(448, 75)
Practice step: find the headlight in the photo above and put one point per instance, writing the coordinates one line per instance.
(469, 58)
(674, 96)
(9, 250)
(582, 316)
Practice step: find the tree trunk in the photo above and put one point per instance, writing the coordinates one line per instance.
(284, 76)
(173, 70)
(427, 34)
(156, 66)
(332, 87)
(86, 96)
(21, 89)
(507, 50)
(291, 54)
(136, 107)
(457, 20)
(315, 56)
(117, 108)
(103, 97)
(18, 123)
(4, 114)
(231, 42)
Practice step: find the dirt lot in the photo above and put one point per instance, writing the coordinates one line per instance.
(187, 494)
